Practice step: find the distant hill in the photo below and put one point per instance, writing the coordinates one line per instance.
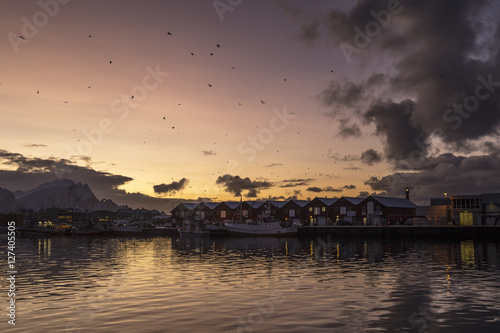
(8, 202)
(60, 193)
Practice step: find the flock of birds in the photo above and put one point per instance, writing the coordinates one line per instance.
(210, 85)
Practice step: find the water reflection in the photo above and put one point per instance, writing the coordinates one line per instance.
(78, 284)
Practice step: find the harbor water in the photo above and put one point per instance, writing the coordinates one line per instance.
(203, 284)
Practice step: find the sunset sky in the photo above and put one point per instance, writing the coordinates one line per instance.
(289, 99)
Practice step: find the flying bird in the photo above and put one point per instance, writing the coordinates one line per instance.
(37, 92)
(262, 102)
(211, 53)
(65, 102)
(218, 46)
(22, 37)
(209, 85)
(442, 75)
(192, 53)
(90, 36)
(132, 96)
(163, 117)
(110, 62)
(169, 33)
(233, 67)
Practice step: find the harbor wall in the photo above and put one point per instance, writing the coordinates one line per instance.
(397, 232)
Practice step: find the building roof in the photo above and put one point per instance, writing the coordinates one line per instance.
(189, 205)
(327, 201)
(232, 204)
(394, 202)
(255, 204)
(278, 204)
(300, 203)
(210, 205)
(353, 200)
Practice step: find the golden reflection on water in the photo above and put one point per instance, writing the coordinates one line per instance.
(214, 285)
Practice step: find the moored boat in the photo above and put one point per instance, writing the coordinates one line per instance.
(264, 225)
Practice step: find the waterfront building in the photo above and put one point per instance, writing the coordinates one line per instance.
(348, 209)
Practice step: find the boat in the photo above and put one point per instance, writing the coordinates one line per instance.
(47, 228)
(264, 225)
(193, 230)
(131, 229)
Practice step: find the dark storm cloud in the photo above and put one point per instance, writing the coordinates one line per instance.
(346, 131)
(395, 128)
(236, 184)
(371, 156)
(208, 152)
(172, 188)
(34, 145)
(451, 174)
(310, 31)
(296, 182)
(331, 189)
(29, 172)
(444, 78)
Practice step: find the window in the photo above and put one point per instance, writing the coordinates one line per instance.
(223, 214)
(316, 210)
(323, 209)
(363, 210)
(310, 209)
(291, 213)
(245, 213)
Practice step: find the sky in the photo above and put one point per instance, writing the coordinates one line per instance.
(212, 100)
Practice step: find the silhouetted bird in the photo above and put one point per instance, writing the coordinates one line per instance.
(169, 33)
(331, 70)
(22, 37)
(132, 96)
(218, 46)
(173, 127)
(65, 102)
(233, 67)
(89, 87)
(211, 53)
(163, 117)
(110, 62)
(192, 53)
(262, 102)
(209, 85)
(442, 75)
(37, 92)
(90, 36)
(284, 79)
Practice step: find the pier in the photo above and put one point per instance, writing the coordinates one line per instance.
(398, 232)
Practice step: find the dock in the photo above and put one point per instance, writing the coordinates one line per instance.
(398, 232)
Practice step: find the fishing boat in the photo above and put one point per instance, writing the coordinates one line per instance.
(193, 230)
(263, 225)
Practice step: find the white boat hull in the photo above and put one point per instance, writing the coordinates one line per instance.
(262, 229)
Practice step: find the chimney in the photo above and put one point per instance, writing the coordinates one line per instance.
(407, 194)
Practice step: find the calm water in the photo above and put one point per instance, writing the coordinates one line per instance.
(72, 284)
